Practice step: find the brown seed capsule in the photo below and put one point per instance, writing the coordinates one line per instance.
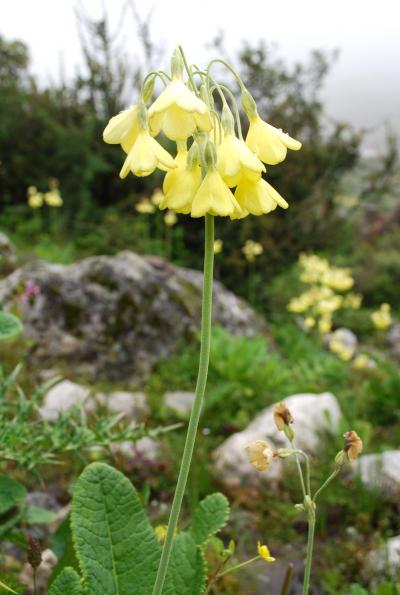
(352, 445)
(282, 416)
(34, 552)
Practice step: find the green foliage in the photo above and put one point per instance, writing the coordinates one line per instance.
(67, 583)
(12, 493)
(10, 326)
(187, 566)
(209, 518)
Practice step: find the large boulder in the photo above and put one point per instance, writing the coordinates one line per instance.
(313, 416)
(116, 316)
(381, 473)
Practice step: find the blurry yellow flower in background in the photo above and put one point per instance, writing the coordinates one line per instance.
(218, 245)
(35, 198)
(363, 362)
(53, 198)
(170, 218)
(325, 324)
(264, 553)
(336, 345)
(145, 207)
(382, 318)
(157, 197)
(252, 249)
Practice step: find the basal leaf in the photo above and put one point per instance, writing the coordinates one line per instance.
(209, 517)
(67, 583)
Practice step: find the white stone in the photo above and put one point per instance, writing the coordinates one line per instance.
(62, 397)
(381, 472)
(345, 336)
(145, 447)
(132, 405)
(385, 560)
(312, 414)
(179, 401)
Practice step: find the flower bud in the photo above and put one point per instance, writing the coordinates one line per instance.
(148, 88)
(210, 155)
(177, 64)
(227, 120)
(142, 116)
(283, 453)
(309, 506)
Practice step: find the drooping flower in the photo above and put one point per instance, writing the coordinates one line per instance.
(145, 156)
(235, 160)
(181, 183)
(282, 416)
(178, 112)
(213, 197)
(264, 553)
(353, 445)
(123, 129)
(260, 455)
(269, 143)
(258, 197)
(53, 198)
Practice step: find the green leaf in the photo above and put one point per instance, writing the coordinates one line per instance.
(10, 326)
(67, 583)
(386, 589)
(357, 590)
(115, 544)
(12, 492)
(187, 566)
(209, 517)
(37, 515)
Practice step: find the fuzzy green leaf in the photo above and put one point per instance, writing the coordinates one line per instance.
(12, 493)
(187, 566)
(10, 326)
(209, 517)
(115, 544)
(37, 515)
(67, 583)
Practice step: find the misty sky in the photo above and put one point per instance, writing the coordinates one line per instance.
(363, 87)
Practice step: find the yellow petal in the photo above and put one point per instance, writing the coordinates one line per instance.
(121, 126)
(269, 143)
(213, 197)
(258, 198)
(145, 155)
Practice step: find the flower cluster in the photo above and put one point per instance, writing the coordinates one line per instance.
(382, 318)
(251, 250)
(215, 170)
(52, 197)
(326, 293)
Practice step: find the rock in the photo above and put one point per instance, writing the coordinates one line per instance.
(62, 397)
(8, 255)
(313, 415)
(346, 337)
(146, 449)
(381, 472)
(132, 405)
(393, 338)
(115, 317)
(179, 401)
(384, 561)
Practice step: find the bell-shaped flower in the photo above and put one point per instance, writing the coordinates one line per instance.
(258, 197)
(214, 197)
(145, 156)
(178, 112)
(181, 183)
(123, 129)
(269, 143)
(236, 160)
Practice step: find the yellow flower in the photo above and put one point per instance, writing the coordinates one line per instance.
(35, 198)
(352, 300)
(123, 129)
(53, 198)
(181, 184)
(235, 160)
(178, 112)
(252, 249)
(260, 455)
(269, 143)
(382, 318)
(258, 197)
(309, 322)
(338, 279)
(218, 244)
(264, 553)
(145, 156)
(170, 218)
(157, 197)
(325, 324)
(145, 207)
(343, 351)
(362, 362)
(213, 197)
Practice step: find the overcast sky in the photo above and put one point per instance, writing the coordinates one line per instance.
(363, 87)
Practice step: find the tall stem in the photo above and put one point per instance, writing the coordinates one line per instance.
(197, 405)
(310, 545)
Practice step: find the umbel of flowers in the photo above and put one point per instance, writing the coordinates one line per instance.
(214, 172)
(214, 169)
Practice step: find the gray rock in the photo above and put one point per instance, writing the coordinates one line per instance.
(144, 448)
(179, 401)
(62, 397)
(383, 561)
(345, 336)
(313, 415)
(115, 317)
(133, 405)
(381, 472)
(393, 338)
(8, 255)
